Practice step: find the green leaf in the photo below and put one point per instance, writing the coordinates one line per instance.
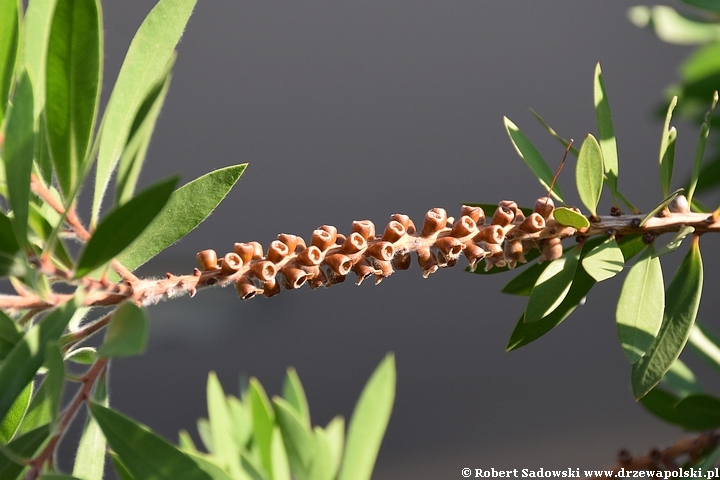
(142, 129)
(667, 149)
(297, 437)
(127, 333)
(682, 300)
(280, 466)
(675, 242)
(24, 446)
(45, 405)
(532, 157)
(145, 63)
(90, 455)
(604, 261)
(185, 442)
(608, 159)
(672, 27)
(640, 307)
(711, 5)
(554, 134)
(9, 39)
(73, 72)
(294, 394)
(681, 380)
(36, 36)
(552, 286)
(263, 423)
(662, 404)
(120, 469)
(123, 225)
(145, 454)
(699, 412)
(225, 450)
(242, 428)
(660, 206)
(9, 425)
(82, 355)
(56, 476)
(205, 433)
(702, 64)
(8, 242)
(570, 218)
(589, 174)
(10, 335)
(523, 284)
(369, 422)
(210, 466)
(335, 432)
(188, 206)
(700, 151)
(18, 154)
(322, 467)
(705, 345)
(21, 364)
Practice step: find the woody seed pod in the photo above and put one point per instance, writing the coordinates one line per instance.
(310, 256)
(491, 234)
(534, 223)
(405, 221)
(263, 270)
(363, 269)
(393, 231)
(503, 216)
(293, 277)
(551, 249)
(207, 259)
(679, 205)
(277, 251)
(340, 264)
(451, 247)
(353, 244)
(427, 261)
(246, 289)
(331, 230)
(402, 262)
(435, 220)
(384, 270)
(366, 228)
(473, 253)
(292, 241)
(381, 251)
(231, 263)
(271, 288)
(476, 213)
(322, 239)
(513, 253)
(333, 278)
(316, 276)
(245, 251)
(544, 206)
(257, 250)
(464, 227)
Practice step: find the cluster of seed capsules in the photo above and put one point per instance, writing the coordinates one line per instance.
(331, 256)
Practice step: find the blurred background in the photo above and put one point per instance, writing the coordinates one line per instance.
(358, 110)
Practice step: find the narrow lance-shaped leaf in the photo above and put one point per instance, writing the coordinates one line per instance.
(640, 307)
(369, 422)
(36, 36)
(682, 300)
(23, 446)
(667, 149)
(589, 174)
(90, 455)
(10, 334)
(705, 344)
(298, 438)
(523, 284)
(147, 58)
(699, 412)
(552, 286)
(73, 72)
(604, 261)
(263, 422)
(280, 464)
(123, 225)
(18, 154)
(554, 134)
(9, 36)
(700, 151)
(294, 393)
(675, 242)
(45, 405)
(9, 425)
(660, 206)
(225, 449)
(127, 334)
(672, 27)
(606, 134)
(532, 158)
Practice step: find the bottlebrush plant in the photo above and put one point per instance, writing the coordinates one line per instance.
(52, 136)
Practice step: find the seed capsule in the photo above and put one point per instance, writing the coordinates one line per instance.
(310, 256)
(503, 216)
(231, 263)
(435, 220)
(551, 249)
(513, 253)
(544, 206)
(402, 262)
(366, 228)
(381, 251)
(463, 227)
(363, 269)
(394, 231)
(292, 241)
(246, 289)
(207, 259)
(405, 221)
(476, 213)
(491, 234)
(427, 260)
(245, 250)
(277, 251)
(322, 239)
(451, 247)
(534, 223)
(263, 270)
(271, 288)
(340, 264)
(293, 277)
(353, 244)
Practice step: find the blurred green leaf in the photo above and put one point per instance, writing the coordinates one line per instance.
(335, 433)
(699, 412)
(297, 437)
(711, 5)
(45, 405)
(667, 150)
(589, 174)
(36, 36)
(682, 299)
(675, 242)
(9, 425)
(225, 450)
(143, 126)
(120, 469)
(241, 421)
(210, 466)
(608, 159)
(263, 423)
(532, 157)
(604, 261)
(18, 154)
(322, 467)
(82, 355)
(185, 442)
(701, 64)
(640, 307)
(700, 151)
(662, 404)
(127, 333)
(705, 344)
(10, 334)
(681, 380)
(552, 286)
(523, 284)
(205, 432)
(660, 206)
(145, 454)
(369, 422)
(90, 455)
(9, 40)
(24, 446)
(43, 229)
(74, 77)
(570, 218)
(57, 476)
(8, 242)
(123, 225)
(294, 394)
(146, 61)
(673, 27)
(188, 206)
(280, 466)
(554, 134)
(24, 360)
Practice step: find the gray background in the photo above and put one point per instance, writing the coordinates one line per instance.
(353, 110)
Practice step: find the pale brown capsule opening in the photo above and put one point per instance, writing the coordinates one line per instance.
(366, 228)
(339, 263)
(464, 226)
(544, 206)
(291, 241)
(405, 221)
(473, 253)
(381, 251)
(491, 234)
(277, 251)
(315, 277)
(476, 213)
(427, 261)
(293, 277)
(257, 250)
(245, 288)
(534, 223)
(263, 270)
(451, 247)
(245, 251)
(353, 244)
(331, 230)
(207, 259)
(435, 220)
(271, 288)
(310, 256)
(394, 231)
(363, 269)
(385, 270)
(322, 239)
(402, 262)
(231, 263)
(503, 216)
